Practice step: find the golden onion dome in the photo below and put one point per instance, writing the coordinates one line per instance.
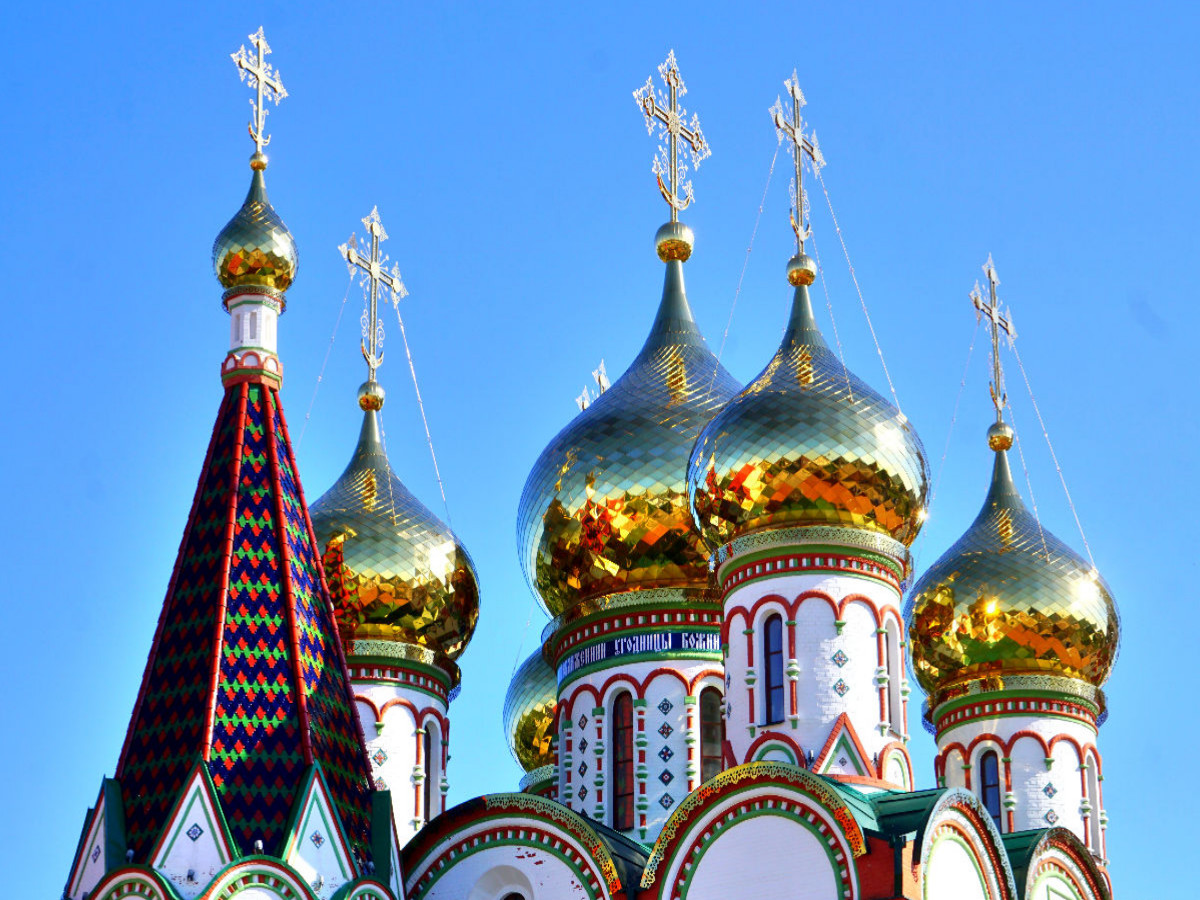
(528, 714)
(605, 509)
(1009, 598)
(807, 443)
(396, 572)
(255, 249)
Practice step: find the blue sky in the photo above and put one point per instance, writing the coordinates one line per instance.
(512, 171)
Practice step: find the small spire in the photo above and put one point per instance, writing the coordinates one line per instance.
(790, 125)
(371, 265)
(1000, 434)
(255, 71)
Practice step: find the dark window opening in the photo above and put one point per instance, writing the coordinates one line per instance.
(773, 664)
(622, 762)
(712, 733)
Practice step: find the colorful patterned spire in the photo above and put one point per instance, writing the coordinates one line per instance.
(246, 671)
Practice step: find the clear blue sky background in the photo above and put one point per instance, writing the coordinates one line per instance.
(512, 171)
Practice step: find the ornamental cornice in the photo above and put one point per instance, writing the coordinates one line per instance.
(536, 777)
(360, 653)
(678, 598)
(779, 538)
(1003, 686)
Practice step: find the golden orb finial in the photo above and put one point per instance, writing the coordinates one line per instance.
(370, 396)
(674, 241)
(1000, 436)
(801, 270)
(258, 161)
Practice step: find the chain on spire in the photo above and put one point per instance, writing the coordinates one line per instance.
(998, 322)
(664, 110)
(790, 125)
(371, 266)
(254, 70)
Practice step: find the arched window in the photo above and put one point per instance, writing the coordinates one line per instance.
(622, 762)
(430, 769)
(989, 785)
(891, 665)
(1093, 798)
(773, 669)
(712, 733)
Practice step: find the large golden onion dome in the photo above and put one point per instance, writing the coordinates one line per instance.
(1009, 598)
(605, 508)
(255, 249)
(396, 572)
(529, 713)
(807, 443)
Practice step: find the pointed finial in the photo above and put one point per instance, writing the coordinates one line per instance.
(1000, 434)
(790, 125)
(371, 266)
(674, 241)
(254, 70)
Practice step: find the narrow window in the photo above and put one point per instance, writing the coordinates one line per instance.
(254, 326)
(712, 733)
(891, 665)
(773, 662)
(430, 768)
(622, 762)
(989, 785)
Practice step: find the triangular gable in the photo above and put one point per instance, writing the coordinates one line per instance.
(385, 845)
(102, 842)
(196, 839)
(843, 753)
(316, 845)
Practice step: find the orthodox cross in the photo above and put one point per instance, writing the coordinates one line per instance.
(261, 76)
(998, 322)
(792, 128)
(373, 274)
(664, 111)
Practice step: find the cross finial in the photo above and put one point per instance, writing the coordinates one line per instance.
(791, 126)
(998, 322)
(373, 274)
(260, 75)
(665, 111)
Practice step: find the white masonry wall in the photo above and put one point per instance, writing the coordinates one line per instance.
(392, 717)
(1038, 793)
(834, 672)
(666, 738)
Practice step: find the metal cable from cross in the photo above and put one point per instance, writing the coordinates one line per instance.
(792, 128)
(665, 111)
(373, 272)
(259, 74)
(998, 322)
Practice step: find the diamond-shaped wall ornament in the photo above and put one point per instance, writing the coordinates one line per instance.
(841, 688)
(379, 756)
(665, 730)
(839, 659)
(665, 706)
(666, 777)
(666, 801)
(380, 784)
(665, 754)
(95, 853)
(583, 720)
(194, 832)
(582, 744)
(1051, 817)
(317, 838)
(583, 768)
(1049, 790)
(583, 793)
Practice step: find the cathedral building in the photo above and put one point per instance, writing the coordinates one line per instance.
(720, 706)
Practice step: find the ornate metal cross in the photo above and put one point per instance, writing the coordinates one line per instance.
(792, 128)
(999, 322)
(664, 110)
(259, 74)
(373, 273)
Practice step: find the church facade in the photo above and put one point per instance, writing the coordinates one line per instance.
(720, 706)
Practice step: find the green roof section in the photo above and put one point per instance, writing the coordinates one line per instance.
(1019, 845)
(629, 856)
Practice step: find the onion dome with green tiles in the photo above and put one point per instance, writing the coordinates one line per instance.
(529, 709)
(255, 249)
(1007, 599)
(807, 443)
(605, 508)
(397, 573)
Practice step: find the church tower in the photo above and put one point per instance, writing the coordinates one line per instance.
(243, 762)
(404, 588)
(607, 543)
(1013, 633)
(809, 486)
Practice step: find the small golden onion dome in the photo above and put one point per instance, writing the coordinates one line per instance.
(605, 509)
(256, 249)
(529, 713)
(396, 572)
(807, 443)
(1009, 598)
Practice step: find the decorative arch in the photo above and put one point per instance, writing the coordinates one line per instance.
(958, 815)
(1058, 852)
(133, 882)
(768, 739)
